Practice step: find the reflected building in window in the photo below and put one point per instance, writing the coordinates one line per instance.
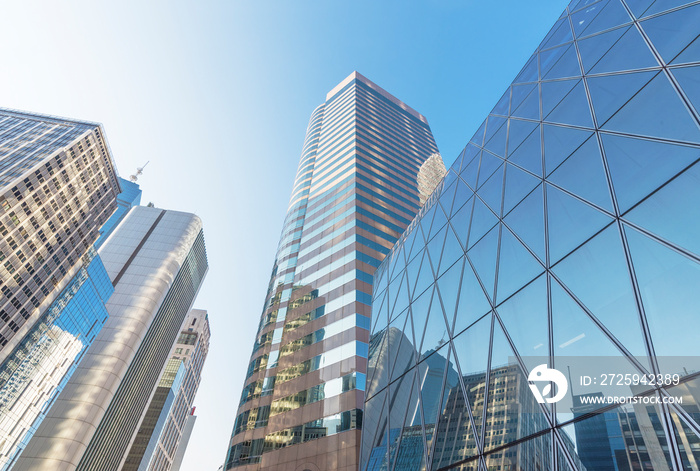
(565, 232)
(357, 188)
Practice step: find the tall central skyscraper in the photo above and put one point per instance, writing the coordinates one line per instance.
(356, 190)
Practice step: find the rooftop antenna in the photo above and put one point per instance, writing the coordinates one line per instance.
(139, 172)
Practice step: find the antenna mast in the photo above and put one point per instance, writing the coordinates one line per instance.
(139, 172)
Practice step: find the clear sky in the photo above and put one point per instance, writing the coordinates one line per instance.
(217, 95)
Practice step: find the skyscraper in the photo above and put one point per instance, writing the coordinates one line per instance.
(156, 261)
(163, 426)
(564, 236)
(58, 185)
(356, 190)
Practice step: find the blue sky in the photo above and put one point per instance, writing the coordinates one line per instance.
(217, 95)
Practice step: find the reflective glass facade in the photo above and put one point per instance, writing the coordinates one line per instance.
(36, 372)
(565, 235)
(355, 192)
(129, 197)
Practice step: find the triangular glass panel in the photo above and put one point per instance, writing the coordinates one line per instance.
(638, 7)
(412, 273)
(668, 283)
(482, 221)
(592, 49)
(446, 197)
(584, 175)
(374, 440)
(472, 351)
(497, 144)
(420, 309)
(451, 252)
(425, 277)
(554, 92)
(573, 109)
(673, 32)
(410, 245)
(599, 17)
(403, 397)
(493, 125)
(527, 220)
(518, 131)
(435, 249)
(504, 409)
(520, 92)
(431, 377)
(689, 79)
(483, 255)
(570, 222)
(436, 330)
(411, 450)
(402, 300)
(460, 221)
(438, 223)
(529, 72)
(529, 107)
(471, 171)
(630, 52)
(525, 319)
(473, 303)
(489, 164)
(639, 166)
(598, 275)
(463, 194)
(577, 343)
(656, 111)
(669, 212)
(560, 143)
(518, 185)
(609, 93)
(558, 63)
(491, 192)
(378, 363)
(516, 266)
(402, 354)
(689, 54)
(559, 34)
(529, 154)
(455, 432)
(380, 315)
(503, 104)
(448, 288)
(471, 152)
(478, 137)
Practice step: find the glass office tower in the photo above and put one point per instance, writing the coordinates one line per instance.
(355, 192)
(58, 185)
(565, 236)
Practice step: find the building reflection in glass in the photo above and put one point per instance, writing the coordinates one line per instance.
(38, 369)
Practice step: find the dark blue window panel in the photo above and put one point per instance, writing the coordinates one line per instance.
(516, 266)
(527, 220)
(610, 93)
(599, 17)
